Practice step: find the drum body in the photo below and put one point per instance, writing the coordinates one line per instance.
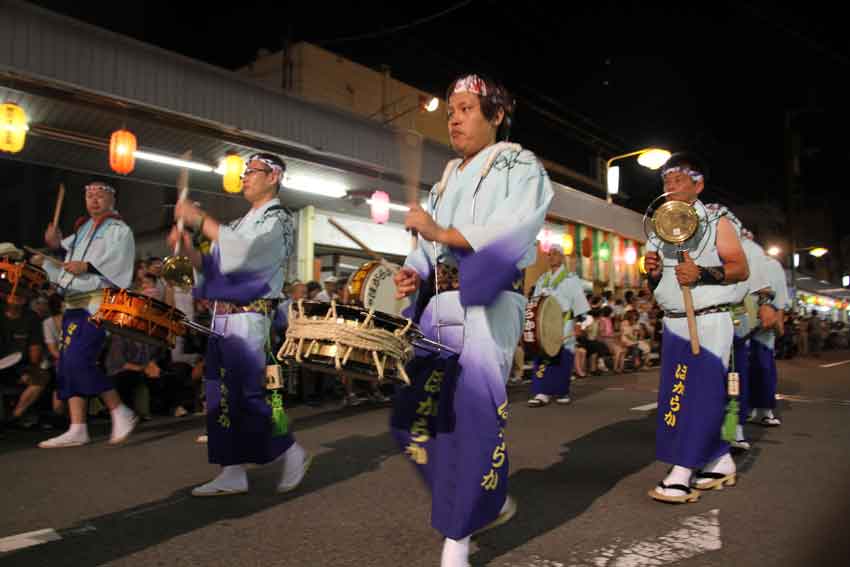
(140, 317)
(347, 338)
(372, 287)
(542, 333)
(21, 279)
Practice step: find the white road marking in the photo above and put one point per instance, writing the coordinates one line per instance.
(698, 534)
(28, 539)
(152, 507)
(803, 399)
(833, 364)
(647, 407)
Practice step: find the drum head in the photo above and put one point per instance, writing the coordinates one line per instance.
(550, 325)
(378, 291)
(10, 360)
(355, 313)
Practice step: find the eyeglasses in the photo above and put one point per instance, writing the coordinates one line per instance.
(249, 170)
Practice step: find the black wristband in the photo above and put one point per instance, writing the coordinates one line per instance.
(711, 275)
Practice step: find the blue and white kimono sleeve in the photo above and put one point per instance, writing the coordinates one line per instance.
(571, 297)
(110, 249)
(246, 262)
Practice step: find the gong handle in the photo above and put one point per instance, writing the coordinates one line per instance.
(688, 299)
(692, 319)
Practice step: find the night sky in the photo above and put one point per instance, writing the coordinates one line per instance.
(729, 73)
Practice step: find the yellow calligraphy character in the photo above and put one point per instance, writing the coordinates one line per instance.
(674, 403)
(681, 371)
(428, 407)
(679, 388)
(490, 480)
(417, 454)
(670, 419)
(499, 456)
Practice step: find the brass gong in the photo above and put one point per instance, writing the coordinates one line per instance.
(675, 222)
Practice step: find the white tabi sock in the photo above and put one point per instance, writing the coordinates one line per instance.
(295, 461)
(768, 413)
(678, 475)
(121, 412)
(722, 465)
(233, 477)
(78, 430)
(739, 433)
(455, 553)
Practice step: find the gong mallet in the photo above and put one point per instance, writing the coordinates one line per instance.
(375, 256)
(675, 222)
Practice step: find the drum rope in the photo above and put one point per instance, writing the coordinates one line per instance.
(380, 340)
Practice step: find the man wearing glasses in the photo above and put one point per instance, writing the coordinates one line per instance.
(242, 276)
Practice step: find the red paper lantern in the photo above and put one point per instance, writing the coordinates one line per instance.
(587, 247)
(122, 152)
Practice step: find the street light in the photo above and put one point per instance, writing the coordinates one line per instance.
(651, 158)
(774, 250)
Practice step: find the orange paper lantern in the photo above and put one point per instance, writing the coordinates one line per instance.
(122, 151)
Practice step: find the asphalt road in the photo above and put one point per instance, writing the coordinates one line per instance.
(580, 474)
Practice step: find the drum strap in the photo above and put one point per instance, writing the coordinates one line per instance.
(558, 279)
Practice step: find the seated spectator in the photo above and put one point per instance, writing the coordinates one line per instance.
(131, 364)
(20, 331)
(51, 329)
(630, 339)
(609, 337)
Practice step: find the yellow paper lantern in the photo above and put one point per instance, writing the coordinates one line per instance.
(642, 264)
(234, 166)
(122, 151)
(13, 128)
(569, 244)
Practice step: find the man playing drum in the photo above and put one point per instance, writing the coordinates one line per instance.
(692, 393)
(465, 274)
(243, 274)
(551, 376)
(98, 255)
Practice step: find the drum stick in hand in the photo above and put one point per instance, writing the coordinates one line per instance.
(58, 209)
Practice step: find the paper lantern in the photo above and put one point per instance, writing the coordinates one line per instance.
(642, 264)
(13, 128)
(569, 244)
(122, 151)
(631, 255)
(604, 252)
(380, 207)
(545, 239)
(233, 168)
